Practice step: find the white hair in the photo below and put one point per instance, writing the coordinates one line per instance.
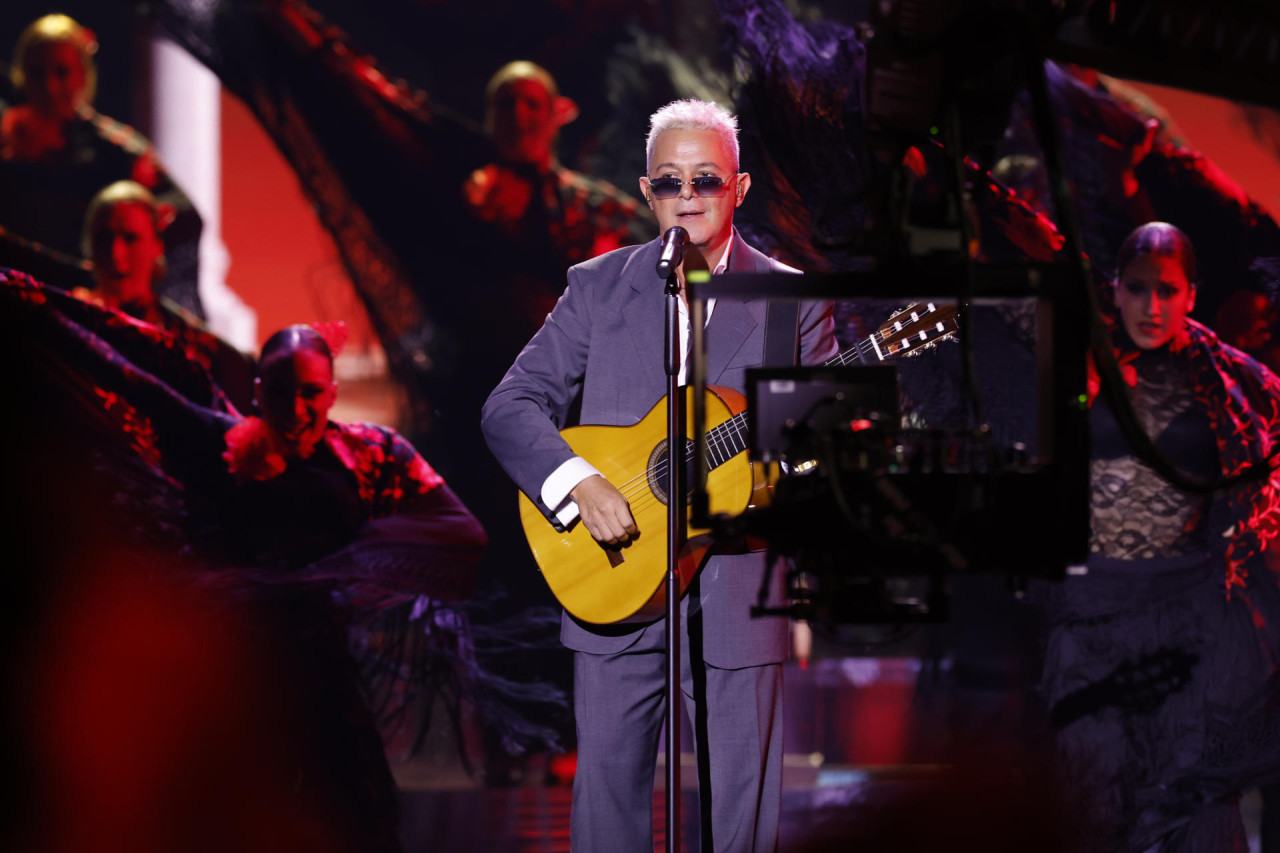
(692, 114)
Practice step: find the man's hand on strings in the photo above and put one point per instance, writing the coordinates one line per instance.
(604, 511)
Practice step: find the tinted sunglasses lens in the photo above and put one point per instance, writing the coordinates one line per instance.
(708, 185)
(665, 187)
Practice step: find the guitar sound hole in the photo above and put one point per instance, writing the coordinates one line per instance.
(656, 470)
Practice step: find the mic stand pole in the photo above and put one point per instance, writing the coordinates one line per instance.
(675, 526)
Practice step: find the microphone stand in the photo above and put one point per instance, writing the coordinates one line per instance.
(675, 524)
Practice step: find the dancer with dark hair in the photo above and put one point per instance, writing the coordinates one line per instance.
(319, 505)
(342, 488)
(1161, 662)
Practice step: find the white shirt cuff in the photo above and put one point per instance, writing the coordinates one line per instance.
(557, 486)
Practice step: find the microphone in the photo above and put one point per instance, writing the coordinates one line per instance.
(672, 250)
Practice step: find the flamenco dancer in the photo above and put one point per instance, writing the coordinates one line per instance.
(256, 596)
(312, 506)
(1161, 660)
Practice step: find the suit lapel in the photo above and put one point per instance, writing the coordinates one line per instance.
(644, 310)
(734, 319)
(732, 322)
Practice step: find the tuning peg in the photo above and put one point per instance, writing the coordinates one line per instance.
(918, 350)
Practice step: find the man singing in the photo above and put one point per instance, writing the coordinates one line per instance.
(602, 346)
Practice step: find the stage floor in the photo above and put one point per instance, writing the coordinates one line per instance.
(536, 820)
(879, 755)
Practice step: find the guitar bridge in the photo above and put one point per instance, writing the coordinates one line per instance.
(616, 557)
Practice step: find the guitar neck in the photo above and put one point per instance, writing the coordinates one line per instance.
(915, 328)
(863, 352)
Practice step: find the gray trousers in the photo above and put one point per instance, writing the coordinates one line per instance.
(620, 706)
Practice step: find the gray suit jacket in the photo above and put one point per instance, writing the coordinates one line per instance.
(603, 342)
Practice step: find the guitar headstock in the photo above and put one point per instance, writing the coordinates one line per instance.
(916, 328)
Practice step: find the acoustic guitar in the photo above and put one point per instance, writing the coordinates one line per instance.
(602, 584)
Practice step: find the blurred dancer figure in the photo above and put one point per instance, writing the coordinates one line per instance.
(56, 151)
(1247, 320)
(123, 234)
(531, 218)
(527, 195)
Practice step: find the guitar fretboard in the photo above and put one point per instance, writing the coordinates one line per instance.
(863, 352)
(724, 441)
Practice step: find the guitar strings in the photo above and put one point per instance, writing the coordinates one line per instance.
(718, 438)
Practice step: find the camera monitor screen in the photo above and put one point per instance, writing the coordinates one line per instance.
(788, 404)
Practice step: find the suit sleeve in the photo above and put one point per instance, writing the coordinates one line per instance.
(817, 325)
(523, 415)
(817, 333)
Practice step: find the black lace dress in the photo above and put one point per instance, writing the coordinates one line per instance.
(1151, 670)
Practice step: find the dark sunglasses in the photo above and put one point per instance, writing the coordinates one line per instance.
(703, 185)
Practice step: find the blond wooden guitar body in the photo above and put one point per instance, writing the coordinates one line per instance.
(604, 585)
